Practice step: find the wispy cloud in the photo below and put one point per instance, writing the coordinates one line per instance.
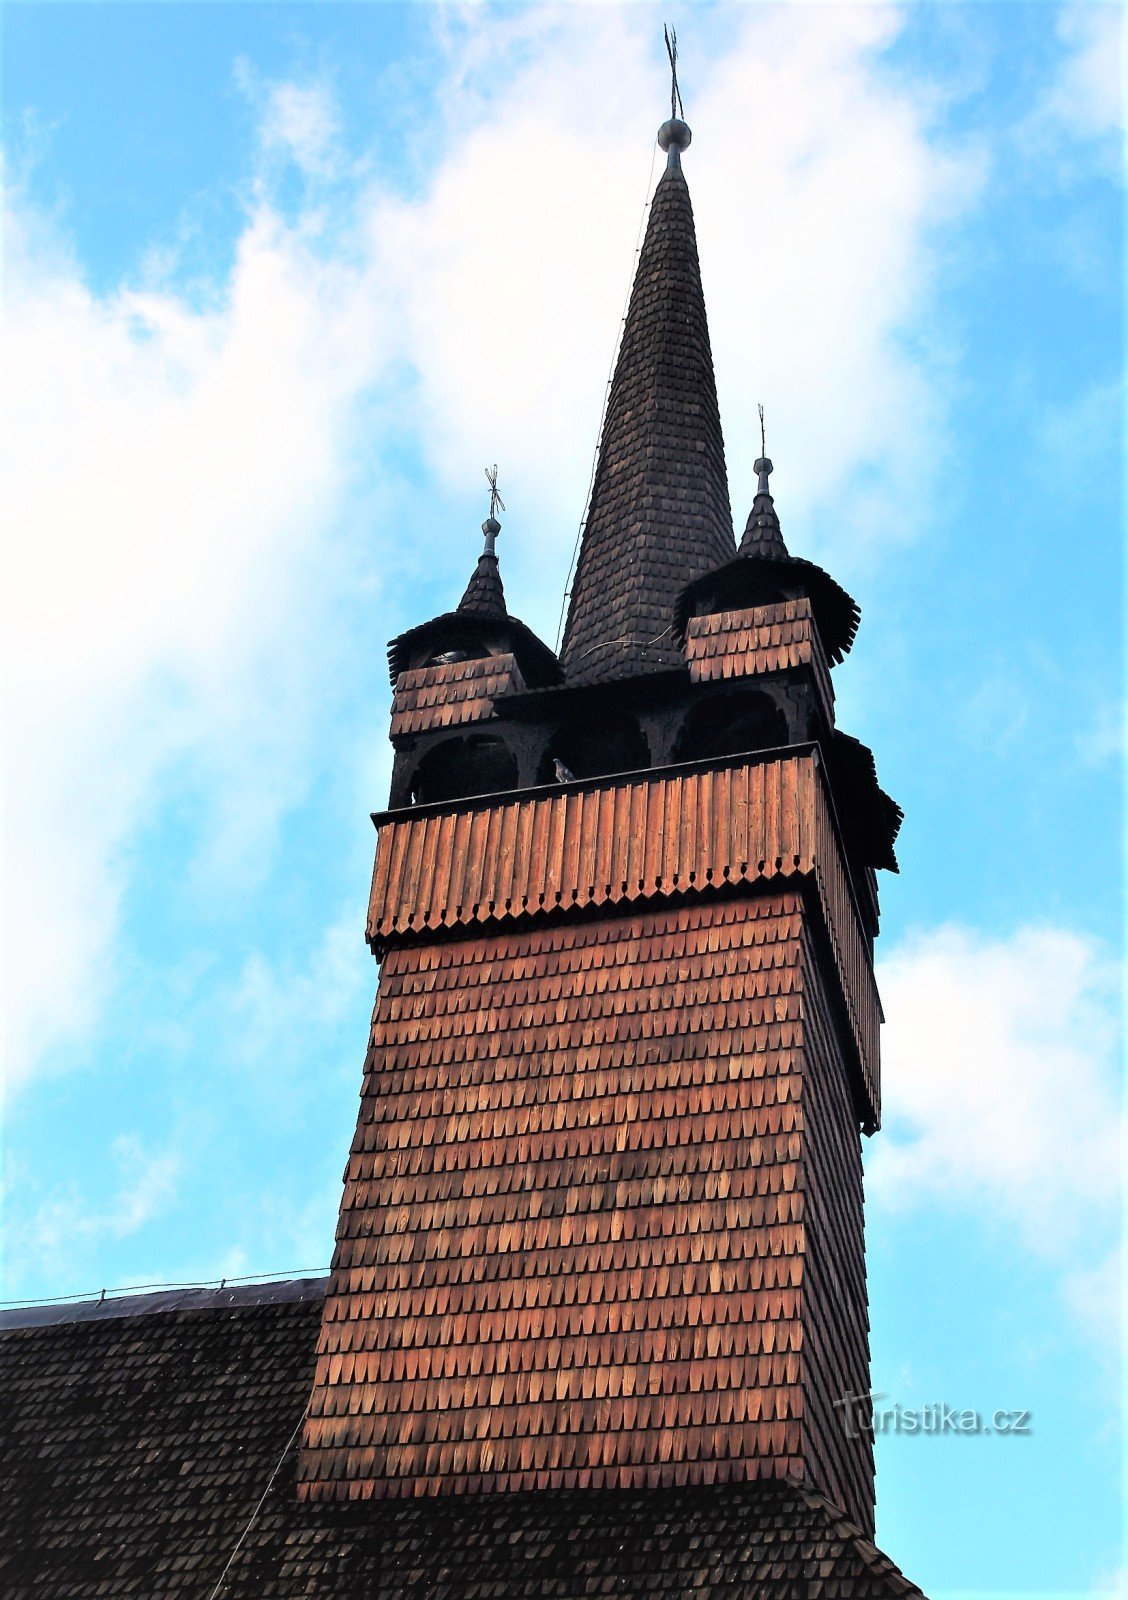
(1000, 1073)
(1076, 122)
(1087, 96)
(297, 122)
(279, 1019)
(177, 477)
(57, 1236)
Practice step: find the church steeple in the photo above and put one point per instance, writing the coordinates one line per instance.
(602, 1222)
(659, 514)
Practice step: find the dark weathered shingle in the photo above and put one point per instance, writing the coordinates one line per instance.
(484, 595)
(763, 568)
(762, 533)
(137, 1447)
(659, 513)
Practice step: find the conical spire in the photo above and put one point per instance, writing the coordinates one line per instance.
(479, 624)
(762, 533)
(484, 595)
(659, 514)
(763, 570)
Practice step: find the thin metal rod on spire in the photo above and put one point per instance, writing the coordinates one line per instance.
(762, 467)
(496, 502)
(677, 109)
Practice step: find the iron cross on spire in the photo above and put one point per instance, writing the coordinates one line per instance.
(674, 136)
(492, 527)
(496, 502)
(677, 110)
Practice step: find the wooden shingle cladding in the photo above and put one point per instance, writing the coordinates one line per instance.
(568, 1247)
(572, 1244)
(698, 829)
(835, 1303)
(450, 695)
(759, 639)
(137, 1447)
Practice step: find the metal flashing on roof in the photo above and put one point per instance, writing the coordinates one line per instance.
(174, 1298)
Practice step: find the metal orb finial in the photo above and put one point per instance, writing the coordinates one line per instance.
(674, 134)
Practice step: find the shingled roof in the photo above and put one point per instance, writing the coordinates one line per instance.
(480, 616)
(763, 562)
(139, 1438)
(763, 535)
(485, 596)
(659, 512)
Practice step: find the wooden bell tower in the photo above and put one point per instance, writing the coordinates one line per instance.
(602, 1219)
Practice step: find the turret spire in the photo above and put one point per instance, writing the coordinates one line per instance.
(480, 625)
(659, 514)
(762, 533)
(484, 595)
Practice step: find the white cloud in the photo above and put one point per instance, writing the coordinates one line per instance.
(64, 1231)
(1079, 117)
(297, 121)
(179, 468)
(173, 477)
(1088, 98)
(999, 1065)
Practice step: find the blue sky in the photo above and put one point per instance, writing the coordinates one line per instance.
(279, 280)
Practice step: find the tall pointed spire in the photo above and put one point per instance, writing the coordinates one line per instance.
(659, 514)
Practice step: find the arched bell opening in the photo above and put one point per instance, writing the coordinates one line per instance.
(459, 767)
(594, 746)
(729, 725)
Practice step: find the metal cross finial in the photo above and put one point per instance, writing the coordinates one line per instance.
(677, 110)
(492, 527)
(763, 442)
(496, 502)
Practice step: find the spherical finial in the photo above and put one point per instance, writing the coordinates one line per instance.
(674, 135)
(491, 528)
(762, 468)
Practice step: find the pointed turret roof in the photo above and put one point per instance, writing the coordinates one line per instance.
(484, 595)
(762, 533)
(659, 511)
(761, 568)
(479, 624)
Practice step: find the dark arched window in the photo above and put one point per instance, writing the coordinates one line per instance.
(594, 745)
(730, 724)
(476, 764)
